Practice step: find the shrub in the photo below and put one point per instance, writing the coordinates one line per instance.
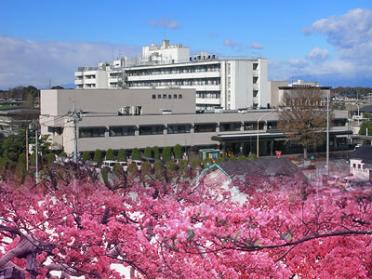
(122, 155)
(136, 154)
(147, 152)
(178, 151)
(167, 153)
(86, 156)
(156, 152)
(97, 156)
(110, 154)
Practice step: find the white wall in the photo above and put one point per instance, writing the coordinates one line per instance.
(358, 169)
(264, 96)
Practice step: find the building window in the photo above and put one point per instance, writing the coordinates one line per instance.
(255, 66)
(179, 128)
(151, 130)
(250, 126)
(205, 127)
(55, 130)
(169, 96)
(354, 166)
(92, 132)
(255, 79)
(232, 126)
(153, 96)
(121, 131)
(159, 96)
(174, 96)
(164, 96)
(179, 96)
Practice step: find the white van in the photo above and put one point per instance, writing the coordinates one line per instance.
(109, 164)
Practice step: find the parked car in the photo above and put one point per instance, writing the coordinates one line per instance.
(109, 164)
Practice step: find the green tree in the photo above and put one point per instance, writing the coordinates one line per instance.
(365, 128)
(147, 152)
(156, 152)
(49, 158)
(110, 154)
(132, 169)
(21, 167)
(178, 151)
(183, 166)
(122, 155)
(136, 154)
(158, 168)
(171, 165)
(97, 156)
(145, 168)
(86, 156)
(167, 154)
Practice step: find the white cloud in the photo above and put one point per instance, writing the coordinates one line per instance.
(256, 45)
(318, 54)
(25, 62)
(350, 38)
(230, 43)
(165, 23)
(348, 30)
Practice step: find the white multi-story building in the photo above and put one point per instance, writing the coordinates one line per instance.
(229, 83)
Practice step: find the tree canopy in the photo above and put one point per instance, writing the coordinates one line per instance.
(303, 118)
(278, 229)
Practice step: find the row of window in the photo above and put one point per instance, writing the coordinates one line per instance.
(120, 131)
(184, 82)
(175, 70)
(208, 94)
(167, 96)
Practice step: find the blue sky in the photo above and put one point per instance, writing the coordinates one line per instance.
(328, 41)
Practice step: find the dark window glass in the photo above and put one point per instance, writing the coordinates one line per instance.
(205, 127)
(92, 132)
(151, 130)
(233, 126)
(122, 131)
(179, 128)
(153, 96)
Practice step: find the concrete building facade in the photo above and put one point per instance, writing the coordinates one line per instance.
(147, 120)
(229, 83)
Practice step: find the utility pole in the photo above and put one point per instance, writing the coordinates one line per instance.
(34, 125)
(327, 150)
(76, 117)
(26, 148)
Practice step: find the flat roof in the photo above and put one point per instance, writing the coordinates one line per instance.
(304, 87)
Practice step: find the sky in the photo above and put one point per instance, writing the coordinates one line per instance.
(330, 41)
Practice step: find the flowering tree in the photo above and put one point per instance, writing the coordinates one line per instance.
(281, 229)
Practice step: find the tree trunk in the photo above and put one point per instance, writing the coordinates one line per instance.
(305, 153)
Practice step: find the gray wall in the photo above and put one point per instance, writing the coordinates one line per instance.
(60, 102)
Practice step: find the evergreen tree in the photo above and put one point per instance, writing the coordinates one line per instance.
(86, 156)
(167, 154)
(122, 155)
(177, 151)
(147, 152)
(156, 152)
(97, 156)
(136, 154)
(110, 154)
